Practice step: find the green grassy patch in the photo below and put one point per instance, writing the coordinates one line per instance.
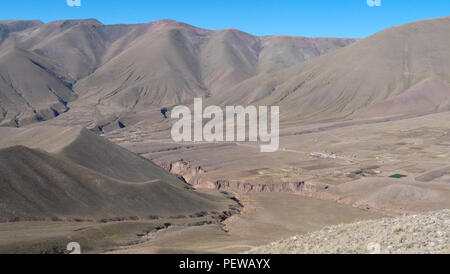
(398, 176)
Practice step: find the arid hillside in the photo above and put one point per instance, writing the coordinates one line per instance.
(116, 70)
(103, 75)
(71, 173)
(399, 71)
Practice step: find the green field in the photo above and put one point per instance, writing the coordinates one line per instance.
(398, 176)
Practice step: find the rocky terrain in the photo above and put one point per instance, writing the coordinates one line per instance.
(366, 156)
(86, 152)
(416, 234)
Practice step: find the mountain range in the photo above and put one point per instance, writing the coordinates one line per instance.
(113, 70)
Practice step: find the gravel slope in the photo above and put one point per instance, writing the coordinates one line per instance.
(425, 233)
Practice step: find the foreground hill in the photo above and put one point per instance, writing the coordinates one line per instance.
(87, 177)
(425, 233)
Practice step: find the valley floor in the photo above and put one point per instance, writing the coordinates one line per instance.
(347, 162)
(345, 167)
(323, 175)
(266, 217)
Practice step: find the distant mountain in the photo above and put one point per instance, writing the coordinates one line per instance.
(102, 74)
(399, 71)
(109, 71)
(31, 88)
(9, 27)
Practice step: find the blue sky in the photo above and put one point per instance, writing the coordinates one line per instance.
(313, 18)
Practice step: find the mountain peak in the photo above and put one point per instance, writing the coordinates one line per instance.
(73, 22)
(19, 25)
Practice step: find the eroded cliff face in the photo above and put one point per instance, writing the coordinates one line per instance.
(197, 177)
(194, 175)
(184, 169)
(242, 187)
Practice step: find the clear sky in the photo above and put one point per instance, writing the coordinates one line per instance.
(330, 18)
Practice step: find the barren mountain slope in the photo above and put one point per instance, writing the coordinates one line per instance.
(141, 67)
(228, 57)
(123, 69)
(399, 71)
(39, 59)
(344, 83)
(266, 56)
(11, 26)
(176, 62)
(87, 177)
(74, 45)
(77, 47)
(159, 68)
(31, 89)
(280, 52)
